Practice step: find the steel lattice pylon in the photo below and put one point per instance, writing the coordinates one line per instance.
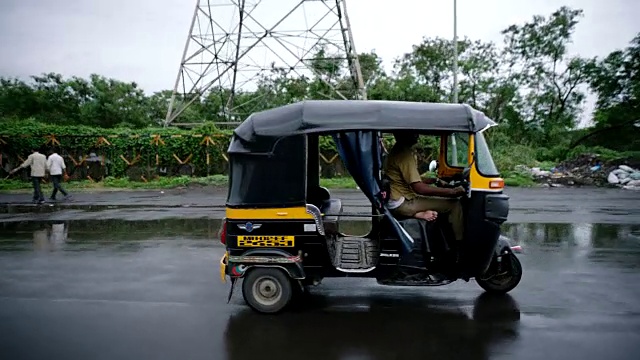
(232, 43)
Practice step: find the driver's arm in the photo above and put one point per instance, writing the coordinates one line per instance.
(409, 169)
(429, 181)
(428, 190)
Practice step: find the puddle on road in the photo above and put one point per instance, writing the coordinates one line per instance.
(51, 208)
(126, 230)
(90, 234)
(369, 331)
(578, 238)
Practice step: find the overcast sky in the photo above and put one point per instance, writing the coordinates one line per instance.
(142, 40)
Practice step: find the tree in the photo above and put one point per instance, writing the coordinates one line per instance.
(371, 68)
(99, 102)
(548, 98)
(430, 65)
(17, 99)
(111, 103)
(616, 81)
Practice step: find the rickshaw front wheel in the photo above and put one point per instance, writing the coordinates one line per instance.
(503, 281)
(267, 290)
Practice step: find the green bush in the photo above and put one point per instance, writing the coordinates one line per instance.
(555, 154)
(507, 158)
(517, 179)
(19, 137)
(603, 153)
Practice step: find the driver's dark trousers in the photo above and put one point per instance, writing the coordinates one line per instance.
(441, 205)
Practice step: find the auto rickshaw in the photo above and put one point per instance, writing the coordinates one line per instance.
(282, 230)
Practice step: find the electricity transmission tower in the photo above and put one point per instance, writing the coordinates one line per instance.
(232, 44)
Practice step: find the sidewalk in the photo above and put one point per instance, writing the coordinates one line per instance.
(200, 197)
(550, 205)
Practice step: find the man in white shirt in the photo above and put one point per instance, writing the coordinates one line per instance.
(56, 167)
(38, 164)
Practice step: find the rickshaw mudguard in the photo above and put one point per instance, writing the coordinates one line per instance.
(238, 265)
(503, 246)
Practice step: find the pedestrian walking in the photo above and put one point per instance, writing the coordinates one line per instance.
(38, 164)
(56, 168)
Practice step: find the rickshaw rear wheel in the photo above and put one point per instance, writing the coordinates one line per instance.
(267, 290)
(505, 281)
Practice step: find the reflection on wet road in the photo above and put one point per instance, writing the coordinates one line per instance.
(113, 289)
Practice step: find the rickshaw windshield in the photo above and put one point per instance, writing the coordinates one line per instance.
(485, 164)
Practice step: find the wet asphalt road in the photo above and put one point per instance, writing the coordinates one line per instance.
(134, 275)
(112, 289)
(530, 205)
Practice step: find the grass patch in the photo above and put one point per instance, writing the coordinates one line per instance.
(161, 183)
(338, 183)
(510, 178)
(604, 154)
(516, 179)
(545, 165)
(167, 182)
(121, 184)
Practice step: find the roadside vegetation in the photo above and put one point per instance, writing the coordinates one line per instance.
(111, 183)
(530, 84)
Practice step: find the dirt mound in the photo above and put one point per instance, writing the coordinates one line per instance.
(587, 170)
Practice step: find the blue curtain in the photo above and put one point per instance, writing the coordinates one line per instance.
(361, 154)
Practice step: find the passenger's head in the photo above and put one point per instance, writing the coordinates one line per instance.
(406, 137)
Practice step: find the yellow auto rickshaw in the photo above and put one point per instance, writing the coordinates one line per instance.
(282, 230)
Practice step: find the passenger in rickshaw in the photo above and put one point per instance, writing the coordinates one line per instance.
(412, 196)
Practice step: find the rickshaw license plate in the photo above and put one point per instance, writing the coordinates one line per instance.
(266, 241)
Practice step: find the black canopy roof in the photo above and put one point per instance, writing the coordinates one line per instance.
(336, 115)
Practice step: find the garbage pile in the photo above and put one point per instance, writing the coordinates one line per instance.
(625, 176)
(586, 170)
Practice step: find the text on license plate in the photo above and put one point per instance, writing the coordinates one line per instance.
(266, 241)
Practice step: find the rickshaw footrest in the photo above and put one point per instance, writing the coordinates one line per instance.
(355, 253)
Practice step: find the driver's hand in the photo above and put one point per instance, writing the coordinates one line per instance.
(459, 190)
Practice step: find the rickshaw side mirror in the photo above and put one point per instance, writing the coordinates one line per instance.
(433, 165)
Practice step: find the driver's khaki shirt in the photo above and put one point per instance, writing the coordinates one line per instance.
(401, 166)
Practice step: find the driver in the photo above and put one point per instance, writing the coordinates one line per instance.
(411, 196)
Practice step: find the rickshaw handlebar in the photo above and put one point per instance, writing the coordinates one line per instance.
(455, 183)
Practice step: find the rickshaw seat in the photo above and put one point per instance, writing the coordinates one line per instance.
(332, 207)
